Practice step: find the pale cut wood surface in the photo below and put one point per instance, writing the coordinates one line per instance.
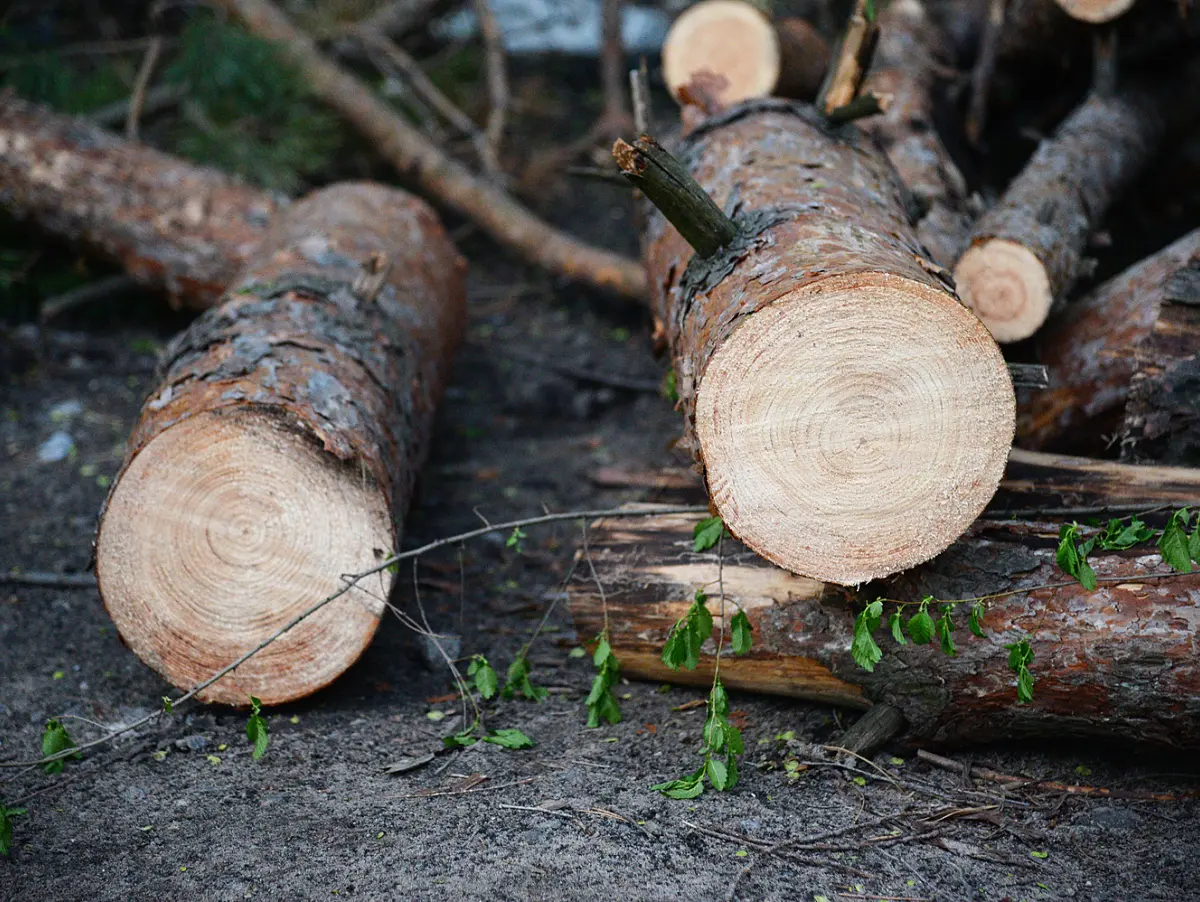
(729, 38)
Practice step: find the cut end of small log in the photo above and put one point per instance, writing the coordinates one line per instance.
(855, 427)
(1007, 287)
(1095, 11)
(225, 527)
(804, 59)
(728, 37)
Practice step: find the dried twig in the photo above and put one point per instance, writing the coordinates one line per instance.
(86, 294)
(416, 156)
(615, 118)
(141, 84)
(853, 59)
(49, 580)
(497, 75)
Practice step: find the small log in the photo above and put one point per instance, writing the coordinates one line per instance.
(1027, 251)
(1117, 663)
(1162, 415)
(170, 223)
(280, 449)
(1091, 352)
(851, 416)
(736, 41)
(906, 69)
(1095, 11)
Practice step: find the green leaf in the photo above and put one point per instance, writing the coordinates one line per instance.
(55, 739)
(707, 533)
(256, 729)
(714, 734)
(896, 628)
(734, 744)
(975, 622)
(168, 705)
(1024, 686)
(1041, 855)
(517, 682)
(742, 638)
(869, 10)
(509, 738)
(865, 652)
(718, 699)
(944, 627)
(920, 625)
(1194, 544)
(1067, 554)
(6, 827)
(514, 540)
(671, 386)
(685, 788)
(603, 650)
(1118, 536)
(461, 740)
(1174, 544)
(1020, 655)
(718, 774)
(487, 681)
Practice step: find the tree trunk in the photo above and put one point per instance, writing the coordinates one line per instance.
(906, 68)
(1027, 251)
(1162, 415)
(1091, 352)
(280, 450)
(1116, 663)
(818, 354)
(171, 224)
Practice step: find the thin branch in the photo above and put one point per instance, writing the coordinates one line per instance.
(869, 104)
(141, 85)
(639, 89)
(853, 59)
(351, 581)
(671, 188)
(497, 74)
(86, 294)
(616, 116)
(49, 580)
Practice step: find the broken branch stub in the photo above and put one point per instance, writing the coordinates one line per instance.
(281, 449)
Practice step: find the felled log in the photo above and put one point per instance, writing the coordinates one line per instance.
(1091, 350)
(751, 56)
(170, 223)
(1117, 663)
(1095, 11)
(1027, 251)
(851, 417)
(906, 71)
(280, 450)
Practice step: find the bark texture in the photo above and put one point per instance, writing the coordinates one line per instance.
(281, 447)
(418, 159)
(1091, 352)
(906, 68)
(1162, 415)
(1118, 663)
(823, 287)
(1026, 252)
(171, 224)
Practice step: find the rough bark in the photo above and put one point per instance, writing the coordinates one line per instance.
(281, 447)
(1162, 415)
(1027, 251)
(171, 224)
(819, 351)
(1117, 663)
(906, 68)
(417, 158)
(1091, 352)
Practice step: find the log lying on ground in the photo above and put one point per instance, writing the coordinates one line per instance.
(1116, 663)
(280, 450)
(171, 224)
(1162, 415)
(852, 418)
(733, 39)
(1091, 351)
(443, 178)
(1027, 251)
(905, 69)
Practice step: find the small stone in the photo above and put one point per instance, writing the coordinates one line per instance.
(193, 743)
(57, 447)
(133, 794)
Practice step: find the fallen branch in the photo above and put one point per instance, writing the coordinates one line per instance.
(497, 78)
(416, 157)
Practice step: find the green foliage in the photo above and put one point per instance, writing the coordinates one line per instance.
(920, 624)
(1174, 543)
(168, 705)
(6, 827)
(1072, 556)
(487, 682)
(722, 747)
(517, 683)
(256, 729)
(688, 634)
(944, 627)
(671, 387)
(742, 633)
(75, 86)
(55, 740)
(508, 738)
(707, 533)
(865, 651)
(514, 540)
(247, 109)
(1019, 657)
(601, 702)
(975, 622)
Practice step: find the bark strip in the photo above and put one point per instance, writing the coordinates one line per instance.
(281, 448)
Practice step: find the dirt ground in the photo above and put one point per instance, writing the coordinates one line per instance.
(181, 811)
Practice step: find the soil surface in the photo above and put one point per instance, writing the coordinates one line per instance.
(179, 810)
